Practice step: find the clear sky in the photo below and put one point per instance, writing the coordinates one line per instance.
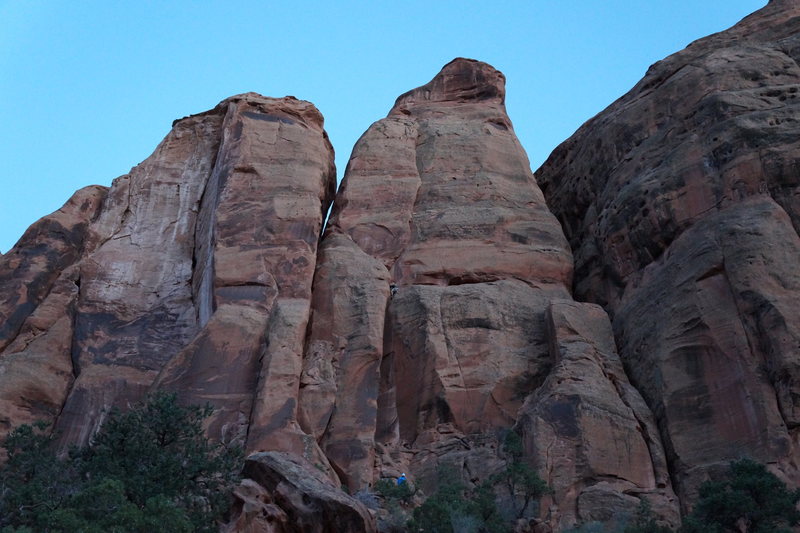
(88, 88)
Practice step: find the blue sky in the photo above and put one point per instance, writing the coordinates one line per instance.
(89, 88)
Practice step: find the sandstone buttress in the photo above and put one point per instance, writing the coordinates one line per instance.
(182, 271)
(680, 202)
(429, 335)
(436, 312)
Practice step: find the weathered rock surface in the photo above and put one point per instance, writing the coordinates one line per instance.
(340, 383)
(437, 194)
(254, 511)
(257, 232)
(711, 335)
(196, 267)
(589, 430)
(39, 292)
(680, 202)
(441, 190)
(291, 497)
(436, 313)
(429, 310)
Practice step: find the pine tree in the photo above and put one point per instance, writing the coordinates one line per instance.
(149, 469)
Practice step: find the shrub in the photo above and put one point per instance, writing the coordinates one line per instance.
(518, 477)
(395, 497)
(450, 500)
(750, 499)
(455, 508)
(588, 527)
(369, 499)
(150, 469)
(395, 520)
(644, 521)
(391, 490)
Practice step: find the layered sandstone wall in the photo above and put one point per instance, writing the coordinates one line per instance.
(429, 333)
(180, 274)
(680, 202)
(446, 302)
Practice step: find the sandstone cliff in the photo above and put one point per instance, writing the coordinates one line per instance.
(429, 333)
(179, 274)
(628, 310)
(680, 202)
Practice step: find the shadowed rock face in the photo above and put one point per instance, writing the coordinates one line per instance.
(291, 497)
(589, 431)
(680, 202)
(40, 284)
(436, 313)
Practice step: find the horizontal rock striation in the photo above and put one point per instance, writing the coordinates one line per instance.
(436, 313)
(680, 202)
(429, 327)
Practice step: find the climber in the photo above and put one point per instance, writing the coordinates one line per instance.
(393, 288)
(402, 479)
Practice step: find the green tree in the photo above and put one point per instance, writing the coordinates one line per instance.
(518, 477)
(33, 482)
(644, 521)
(450, 500)
(455, 507)
(391, 490)
(150, 469)
(750, 499)
(484, 505)
(160, 449)
(396, 498)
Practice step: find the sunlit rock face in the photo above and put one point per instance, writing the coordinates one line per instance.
(193, 271)
(681, 205)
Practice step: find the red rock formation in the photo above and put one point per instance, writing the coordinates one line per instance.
(428, 326)
(440, 315)
(438, 193)
(196, 266)
(257, 233)
(711, 335)
(289, 496)
(680, 202)
(40, 286)
(589, 430)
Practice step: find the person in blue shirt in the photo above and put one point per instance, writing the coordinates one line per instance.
(402, 479)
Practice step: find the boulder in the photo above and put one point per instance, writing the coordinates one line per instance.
(298, 499)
